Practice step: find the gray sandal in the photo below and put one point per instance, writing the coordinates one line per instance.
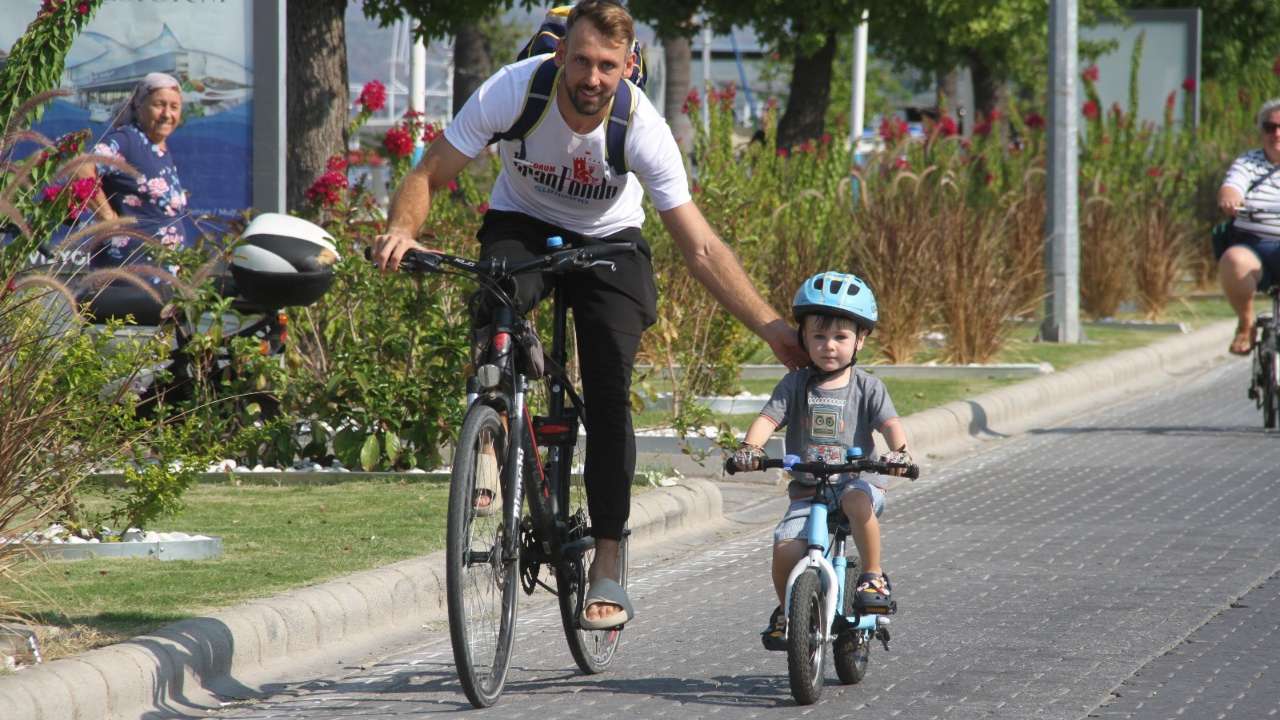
(605, 590)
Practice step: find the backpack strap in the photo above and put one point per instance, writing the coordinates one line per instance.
(541, 89)
(615, 132)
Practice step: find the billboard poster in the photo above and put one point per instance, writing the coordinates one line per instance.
(207, 45)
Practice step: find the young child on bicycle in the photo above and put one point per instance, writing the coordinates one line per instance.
(827, 408)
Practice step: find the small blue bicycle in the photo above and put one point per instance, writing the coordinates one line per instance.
(820, 590)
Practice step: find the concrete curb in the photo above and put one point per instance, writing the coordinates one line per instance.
(187, 666)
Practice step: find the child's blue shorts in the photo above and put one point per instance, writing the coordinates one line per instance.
(791, 526)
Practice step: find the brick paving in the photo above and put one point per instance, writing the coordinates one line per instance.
(1121, 565)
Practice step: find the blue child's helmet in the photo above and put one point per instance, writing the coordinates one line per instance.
(836, 293)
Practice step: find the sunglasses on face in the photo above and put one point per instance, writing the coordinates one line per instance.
(1269, 127)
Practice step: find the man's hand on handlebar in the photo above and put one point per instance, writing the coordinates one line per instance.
(748, 458)
(898, 457)
(390, 247)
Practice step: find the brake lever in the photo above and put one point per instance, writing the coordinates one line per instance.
(599, 263)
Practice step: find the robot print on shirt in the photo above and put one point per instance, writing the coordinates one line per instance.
(826, 424)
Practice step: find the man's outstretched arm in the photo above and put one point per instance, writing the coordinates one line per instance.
(412, 201)
(714, 265)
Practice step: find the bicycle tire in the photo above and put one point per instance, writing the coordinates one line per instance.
(806, 651)
(852, 648)
(592, 650)
(1270, 388)
(481, 585)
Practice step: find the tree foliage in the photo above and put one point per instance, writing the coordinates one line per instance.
(1233, 32)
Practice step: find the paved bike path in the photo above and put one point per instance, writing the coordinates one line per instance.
(1121, 565)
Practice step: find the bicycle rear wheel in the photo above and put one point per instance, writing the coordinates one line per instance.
(806, 651)
(852, 648)
(481, 584)
(592, 650)
(1270, 387)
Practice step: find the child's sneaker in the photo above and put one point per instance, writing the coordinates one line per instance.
(774, 636)
(873, 594)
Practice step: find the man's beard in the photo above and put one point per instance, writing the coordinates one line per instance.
(583, 106)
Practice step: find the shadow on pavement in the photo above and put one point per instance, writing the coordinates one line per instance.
(1188, 430)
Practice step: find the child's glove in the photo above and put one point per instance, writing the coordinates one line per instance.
(898, 457)
(749, 457)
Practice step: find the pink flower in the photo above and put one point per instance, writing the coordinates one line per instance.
(373, 97)
(1090, 109)
(51, 192)
(398, 142)
(157, 186)
(1189, 84)
(335, 163)
(1034, 120)
(132, 201)
(83, 188)
(1090, 73)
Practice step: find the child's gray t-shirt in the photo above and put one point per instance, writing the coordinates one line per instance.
(837, 418)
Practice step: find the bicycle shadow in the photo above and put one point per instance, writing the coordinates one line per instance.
(758, 692)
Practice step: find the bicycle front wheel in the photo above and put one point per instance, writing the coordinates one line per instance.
(481, 583)
(592, 650)
(852, 648)
(806, 651)
(1270, 389)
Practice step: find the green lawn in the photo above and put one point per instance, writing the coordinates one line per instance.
(274, 538)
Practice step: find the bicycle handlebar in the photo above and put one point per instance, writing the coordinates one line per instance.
(561, 261)
(819, 469)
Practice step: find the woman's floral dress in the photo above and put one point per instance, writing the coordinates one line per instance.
(156, 199)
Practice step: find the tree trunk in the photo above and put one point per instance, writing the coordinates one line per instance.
(316, 99)
(947, 91)
(989, 90)
(677, 57)
(810, 95)
(472, 63)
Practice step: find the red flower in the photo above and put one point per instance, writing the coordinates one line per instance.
(1189, 84)
(398, 142)
(1155, 172)
(893, 128)
(982, 128)
(989, 179)
(51, 192)
(327, 188)
(691, 101)
(807, 147)
(1169, 101)
(901, 163)
(1034, 120)
(947, 127)
(1091, 109)
(1117, 112)
(430, 133)
(782, 152)
(483, 207)
(373, 97)
(83, 188)
(825, 139)
(696, 188)
(1090, 73)
(336, 163)
(1275, 67)
(83, 8)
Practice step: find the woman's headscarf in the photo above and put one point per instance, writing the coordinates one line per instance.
(147, 85)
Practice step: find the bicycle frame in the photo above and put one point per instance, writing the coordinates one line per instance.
(831, 564)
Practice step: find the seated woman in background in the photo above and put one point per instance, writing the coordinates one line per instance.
(139, 137)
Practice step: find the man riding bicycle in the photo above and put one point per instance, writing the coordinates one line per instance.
(558, 180)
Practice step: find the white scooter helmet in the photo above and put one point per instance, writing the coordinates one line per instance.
(283, 261)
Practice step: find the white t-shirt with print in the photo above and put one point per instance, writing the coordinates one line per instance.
(564, 178)
(1248, 169)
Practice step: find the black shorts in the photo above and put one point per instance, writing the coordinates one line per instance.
(624, 300)
(1267, 249)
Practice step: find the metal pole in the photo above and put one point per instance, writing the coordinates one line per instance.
(418, 89)
(859, 102)
(1062, 254)
(706, 76)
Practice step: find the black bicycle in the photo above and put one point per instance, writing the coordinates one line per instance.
(1264, 384)
(507, 458)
